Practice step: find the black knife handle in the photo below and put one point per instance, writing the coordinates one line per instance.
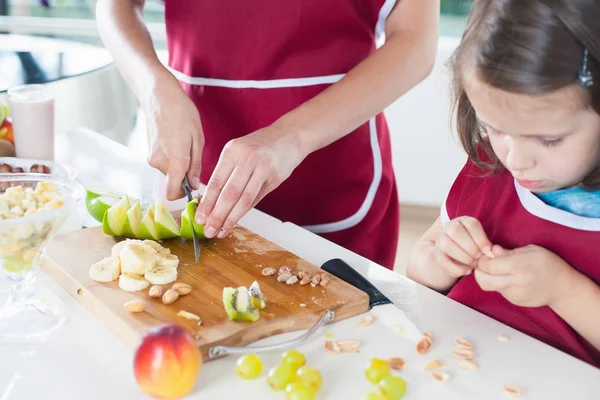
(345, 272)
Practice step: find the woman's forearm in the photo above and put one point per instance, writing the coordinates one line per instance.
(580, 307)
(405, 59)
(124, 34)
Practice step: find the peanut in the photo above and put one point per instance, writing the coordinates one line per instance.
(182, 288)
(135, 305)
(155, 291)
(170, 296)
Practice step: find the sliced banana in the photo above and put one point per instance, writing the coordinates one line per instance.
(167, 260)
(117, 248)
(137, 258)
(106, 270)
(155, 245)
(161, 275)
(132, 282)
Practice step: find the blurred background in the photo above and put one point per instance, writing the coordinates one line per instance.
(56, 42)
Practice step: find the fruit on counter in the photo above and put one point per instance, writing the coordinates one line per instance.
(299, 391)
(249, 366)
(258, 300)
(136, 264)
(188, 218)
(130, 282)
(148, 228)
(161, 275)
(393, 387)
(280, 376)
(99, 199)
(166, 226)
(294, 359)
(137, 258)
(6, 128)
(310, 376)
(113, 222)
(133, 221)
(376, 369)
(238, 305)
(167, 362)
(106, 270)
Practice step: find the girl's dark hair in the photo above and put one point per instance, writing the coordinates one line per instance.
(527, 47)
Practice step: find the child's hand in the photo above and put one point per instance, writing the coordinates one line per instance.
(529, 276)
(460, 245)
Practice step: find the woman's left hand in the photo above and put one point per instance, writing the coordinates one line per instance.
(529, 276)
(248, 169)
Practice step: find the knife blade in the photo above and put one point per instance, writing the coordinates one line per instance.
(185, 185)
(383, 308)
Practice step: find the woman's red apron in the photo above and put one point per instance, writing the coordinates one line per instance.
(246, 63)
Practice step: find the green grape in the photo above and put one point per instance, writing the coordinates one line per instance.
(299, 391)
(310, 376)
(279, 376)
(293, 358)
(375, 396)
(376, 369)
(393, 387)
(249, 366)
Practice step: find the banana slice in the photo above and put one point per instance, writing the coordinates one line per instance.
(106, 270)
(118, 248)
(137, 258)
(132, 282)
(155, 245)
(161, 275)
(167, 260)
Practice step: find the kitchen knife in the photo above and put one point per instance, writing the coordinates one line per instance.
(382, 307)
(188, 192)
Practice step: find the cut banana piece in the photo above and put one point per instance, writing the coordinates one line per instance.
(132, 283)
(161, 275)
(155, 245)
(167, 260)
(118, 248)
(137, 258)
(106, 270)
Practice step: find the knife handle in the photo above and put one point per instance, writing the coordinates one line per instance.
(348, 274)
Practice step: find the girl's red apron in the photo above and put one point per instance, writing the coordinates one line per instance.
(245, 63)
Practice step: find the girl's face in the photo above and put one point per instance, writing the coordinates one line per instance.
(547, 142)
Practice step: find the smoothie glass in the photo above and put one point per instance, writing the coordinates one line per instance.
(32, 111)
(22, 241)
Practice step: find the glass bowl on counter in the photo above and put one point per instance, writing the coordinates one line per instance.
(33, 207)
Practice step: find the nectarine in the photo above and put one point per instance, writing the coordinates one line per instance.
(167, 362)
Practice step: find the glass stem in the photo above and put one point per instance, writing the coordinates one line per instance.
(18, 291)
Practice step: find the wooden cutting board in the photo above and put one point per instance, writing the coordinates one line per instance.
(237, 260)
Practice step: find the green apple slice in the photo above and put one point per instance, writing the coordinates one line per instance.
(148, 229)
(133, 220)
(97, 191)
(187, 218)
(98, 206)
(114, 219)
(166, 225)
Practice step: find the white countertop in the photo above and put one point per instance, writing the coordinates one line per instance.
(85, 360)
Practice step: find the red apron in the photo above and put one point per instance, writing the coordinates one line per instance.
(246, 63)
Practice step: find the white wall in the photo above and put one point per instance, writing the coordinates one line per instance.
(427, 155)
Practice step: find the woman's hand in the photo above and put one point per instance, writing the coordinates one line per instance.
(529, 276)
(249, 168)
(175, 138)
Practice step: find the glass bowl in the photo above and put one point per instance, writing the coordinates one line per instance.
(25, 231)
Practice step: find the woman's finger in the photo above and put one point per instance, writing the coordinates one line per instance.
(229, 197)
(217, 182)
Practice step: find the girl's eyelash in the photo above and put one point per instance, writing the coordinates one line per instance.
(550, 142)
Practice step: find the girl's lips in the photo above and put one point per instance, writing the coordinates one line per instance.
(530, 184)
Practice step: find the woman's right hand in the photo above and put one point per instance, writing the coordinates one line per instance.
(175, 137)
(460, 245)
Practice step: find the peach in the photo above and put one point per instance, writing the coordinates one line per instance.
(167, 362)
